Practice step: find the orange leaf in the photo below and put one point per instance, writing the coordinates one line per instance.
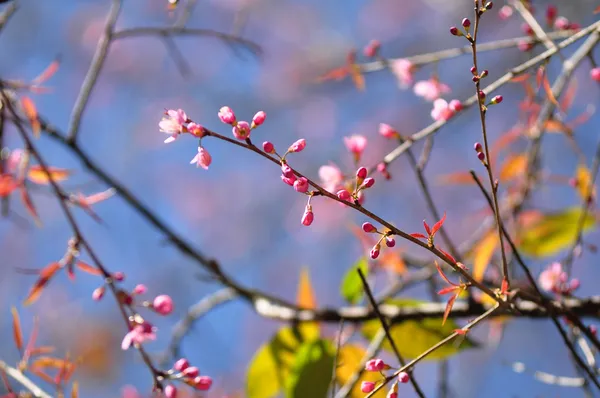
(549, 92)
(392, 261)
(556, 126)
(48, 379)
(50, 362)
(88, 268)
(45, 275)
(31, 113)
(513, 167)
(568, 96)
(449, 307)
(518, 79)
(46, 349)
(597, 10)
(335, 74)
(418, 236)
(306, 295)
(47, 73)
(7, 185)
(357, 77)
(17, 332)
(75, 390)
(38, 175)
(584, 184)
(460, 177)
(27, 202)
(483, 253)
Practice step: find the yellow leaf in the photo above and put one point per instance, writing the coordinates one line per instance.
(553, 232)
(272, 363)
(413, 337)
(483, 253)
(37, 175)
(306, 295)
(584, 183)
(31, 113)
(349, 358)
(513, 167)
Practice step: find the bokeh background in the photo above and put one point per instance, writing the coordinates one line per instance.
(239, 212)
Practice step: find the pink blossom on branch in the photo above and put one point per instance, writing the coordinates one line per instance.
(297, 146)
(226, 115)
(403, 69)
(138, 335)
(163, 304)
(356, 144)
(173, 124)
(331, 178)
(431, 89)
(441, 110)
(241, 130)
(202, 158)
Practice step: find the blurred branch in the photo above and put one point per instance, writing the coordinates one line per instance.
(194, 313)
(434, 127)
(7, 13)
(94, 71)
(534, 25)
(548, 378)
(428, 58)
(182, 31)
(26, 382)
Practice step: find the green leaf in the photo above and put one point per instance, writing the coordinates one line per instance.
(352, 289)
(553, 232)
(271, 365)
(312, 370)
(415, 336)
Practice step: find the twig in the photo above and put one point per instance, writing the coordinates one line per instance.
(8, 12)
(193, 314)
(534, 25)
(372, 350)
(386, 329)
(94, 71)
(548, 378)
(181, 31)
(26, 382)
(338, 347)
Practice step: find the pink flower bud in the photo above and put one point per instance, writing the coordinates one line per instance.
(561, 23)
(574, 284)
(489, 5)
(505, 12)
(196, 130)
(466, 23)
(595, 74)
(361, 172)
(382, 168)
(163, 304)
(344, 195)
(287, 171)
(375, 365)
(308, 216)
(593, 329)
(390, 242)
(497, 99)
(191, 372)
(98, 293)
(473, 70)
(527, 29)
(241, 130)
(289, 180)
(387, 131)
(297, 146)
(403, 377)
(203, 383)
(372, 48)
(181, 365)
(551, 13)
(477, 147)
(202, 158)
(375, 251)
(481, 156)
(368, 227)
(392, 394)
(139, 289)
(268, 147)
(524, 46)
(226, 115)
(118, 276)
(455, 105)
(367, 386)
(170, 391)
(258, 119)
(369, 182)
(455, 32)
(301, 185)
(481, 95)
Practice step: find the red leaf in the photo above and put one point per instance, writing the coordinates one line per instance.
(597, 10)
(444, 275)
(47, 73)
(17, 332)
(549, 92)
(460, 332)
(427, 229)
(70, 271)
(447, 255)
(449, 307)
(45, 275)
(88, 268)
(438, 225)
(32, 339)
(26, 199)
(504, 287)
(7, 185)
(447, 290)
(418, 236)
